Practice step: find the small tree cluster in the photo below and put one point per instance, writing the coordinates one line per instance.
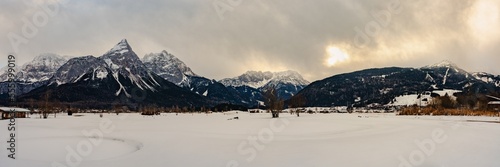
(444, 102)
(150, 110)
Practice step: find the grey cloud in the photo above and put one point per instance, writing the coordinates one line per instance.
(262, 34)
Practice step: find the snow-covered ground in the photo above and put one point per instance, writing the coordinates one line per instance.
(413, 99)
(219, 140)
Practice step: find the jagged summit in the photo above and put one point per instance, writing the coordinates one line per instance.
(168, 67)
(287, 83)
(171, 68)
(167, 59)
(121, 58)
(40, 69)
(118, 76)
(258, 79)
(121, 47)
(118, 61)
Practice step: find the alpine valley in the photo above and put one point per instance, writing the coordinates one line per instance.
(120, 77)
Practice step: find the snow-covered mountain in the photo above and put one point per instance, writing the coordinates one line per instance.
(119, 76)
(176, 71)
(254, 79)
(383, 85)
(76, 68)
(33, 74)
(162, 79)
(120, 60)
(41, 68)
(287, 83)
(446, 64)
(168, 67)
(446, 73)
(259, 79)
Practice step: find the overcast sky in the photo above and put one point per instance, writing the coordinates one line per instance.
(224, 38)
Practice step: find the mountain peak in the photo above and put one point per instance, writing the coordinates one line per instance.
(447, 64)
(121, 47)
(444, 63)
(168, 67)
(47, 56)
(121, 55)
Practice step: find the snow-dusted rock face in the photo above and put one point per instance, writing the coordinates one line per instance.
(118, 76)
(447, 68)
(121, 56)
(33, 74)
(259, 79)
(254, 79)
(447, 74)
(40, 69)
(121, 59)
(488, 78)
(287, 83)
(75, 68)
(174, 70)
(168, 67)
(287, 77)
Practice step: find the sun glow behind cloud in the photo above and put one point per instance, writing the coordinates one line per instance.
(335, 56)
(484, 19)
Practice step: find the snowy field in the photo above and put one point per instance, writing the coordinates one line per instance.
(200, 140)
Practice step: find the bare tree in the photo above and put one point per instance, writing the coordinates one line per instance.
(31, 103)
(57, 107)
(47, 108)
(296, 102)
(273, 103)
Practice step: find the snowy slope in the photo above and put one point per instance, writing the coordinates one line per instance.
(446, 75)
(421, 99)
(448, 65)
(488, 78)
(412, 99)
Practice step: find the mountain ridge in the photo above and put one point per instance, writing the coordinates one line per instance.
(117, 77)
(287, 83)
(120, 74)
(382, 85)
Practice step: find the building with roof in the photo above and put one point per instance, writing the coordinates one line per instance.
(8, 112)
(495, 105)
